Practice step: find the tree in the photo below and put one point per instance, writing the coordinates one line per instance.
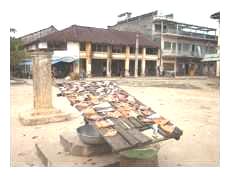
(17, 52)
(13, 30)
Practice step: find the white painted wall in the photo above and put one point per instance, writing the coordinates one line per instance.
(73, 50)
(42, 45)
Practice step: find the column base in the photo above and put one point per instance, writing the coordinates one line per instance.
(127, 74)
(43, 116)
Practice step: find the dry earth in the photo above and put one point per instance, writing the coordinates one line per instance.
(192, 104)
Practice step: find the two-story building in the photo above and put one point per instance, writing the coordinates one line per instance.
(100, 52)
(182, 46)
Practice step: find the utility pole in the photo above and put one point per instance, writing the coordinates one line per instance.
(136, 55)
(161, 41)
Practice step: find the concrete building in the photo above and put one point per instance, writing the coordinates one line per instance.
(212, 61)
(26, 39)
(100, 52)
(182, 46)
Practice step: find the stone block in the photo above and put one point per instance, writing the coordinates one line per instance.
(72, 144)
(28, 118)
(53, 154)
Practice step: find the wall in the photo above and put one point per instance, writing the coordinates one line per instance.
(36, 35)
(199, 51)
(142, 24)
(73, 50)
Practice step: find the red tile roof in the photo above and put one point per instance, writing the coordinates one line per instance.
(76, 33)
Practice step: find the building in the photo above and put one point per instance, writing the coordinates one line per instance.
(211, 62)
(182, 46)
(26, 39)
(100, 52)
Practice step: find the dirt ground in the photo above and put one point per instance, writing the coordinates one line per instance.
(192, 104)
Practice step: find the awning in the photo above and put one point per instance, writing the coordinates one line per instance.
(53, 61)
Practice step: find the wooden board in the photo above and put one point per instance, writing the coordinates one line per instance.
(135, 122)
(117, 142)
(139, 136)
(125, 134)
(125, 138)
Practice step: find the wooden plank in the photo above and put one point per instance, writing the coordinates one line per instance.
(134, 133)
(117, 142)
(139, 121)
(139, 136)
(135, 122)
(128, 123)
(125, 134)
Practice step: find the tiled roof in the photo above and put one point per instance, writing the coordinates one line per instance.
(76, 33)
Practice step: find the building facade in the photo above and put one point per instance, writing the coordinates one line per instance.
(101, 52)
(182, 46)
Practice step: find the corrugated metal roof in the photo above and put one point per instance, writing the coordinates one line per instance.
(97, 35)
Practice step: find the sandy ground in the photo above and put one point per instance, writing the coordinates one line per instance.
(192, 104)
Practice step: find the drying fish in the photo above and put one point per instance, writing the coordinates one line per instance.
(104, 123)
(110, 132)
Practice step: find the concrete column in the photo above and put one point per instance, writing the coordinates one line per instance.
(43, 111)
(42, 81)
(217, 68)
(76, 67)
(136, 56)
(158, 63)
(127, 58)
(143, 62)
(88, 48)
(109, 61)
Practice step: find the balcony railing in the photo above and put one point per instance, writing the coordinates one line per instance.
(183, 53)
(118, 56)
(189, 34)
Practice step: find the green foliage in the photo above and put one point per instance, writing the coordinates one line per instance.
(17, 51)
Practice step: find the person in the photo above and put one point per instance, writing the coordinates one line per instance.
(104, 71)
(158, 70)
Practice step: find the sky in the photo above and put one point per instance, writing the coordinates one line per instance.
(30, 15)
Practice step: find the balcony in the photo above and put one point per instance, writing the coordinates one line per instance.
(183, 53)
(117, 56)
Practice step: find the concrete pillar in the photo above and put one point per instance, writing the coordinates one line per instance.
(217, 68)
(42, 81)
(158, 63)
(76, 67)
(88, 48)
(136, 56)
(109, 61)
(43, 111)
(143, 62)
(127, 58)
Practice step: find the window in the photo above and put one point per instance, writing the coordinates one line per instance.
(193, 47)
(211, 50)
(174, 46)
(167, 45)
(140, 50)
(186, 47)
(82, 46)
(133, 50)
(157, 28)
(99, 47)
(179, 46)
(151, 51)
(118, 49)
